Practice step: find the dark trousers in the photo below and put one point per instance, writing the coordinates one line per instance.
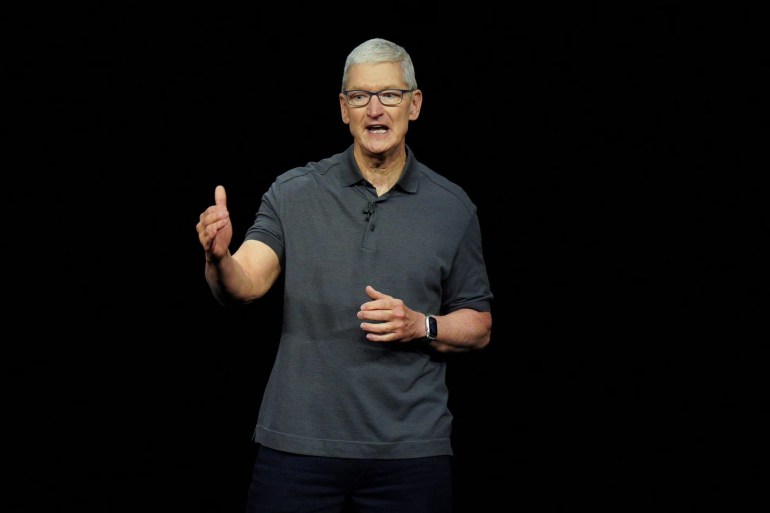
(293, 483)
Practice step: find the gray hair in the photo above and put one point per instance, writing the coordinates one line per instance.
(375, 51)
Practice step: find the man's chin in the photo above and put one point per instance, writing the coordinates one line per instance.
(377, 146)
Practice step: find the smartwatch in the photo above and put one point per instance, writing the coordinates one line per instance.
(431, 327)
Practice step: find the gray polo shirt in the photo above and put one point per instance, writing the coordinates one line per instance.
(331, 392)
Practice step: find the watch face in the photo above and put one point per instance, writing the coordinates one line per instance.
(433, 327)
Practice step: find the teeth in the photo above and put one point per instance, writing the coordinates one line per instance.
(377, 130)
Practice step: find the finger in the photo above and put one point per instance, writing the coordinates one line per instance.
(378, 328)
(377, 304)
(216, 213)
(213, 228)
(374, 315)
(374, 333)
(388, 337)
(220, 197)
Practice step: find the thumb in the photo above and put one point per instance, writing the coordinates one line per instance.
(220, 198)
(374, 294)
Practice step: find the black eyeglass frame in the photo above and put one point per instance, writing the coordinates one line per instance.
(372, 93)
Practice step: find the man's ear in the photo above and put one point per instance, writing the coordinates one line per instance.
(415, 104)
(344, 110)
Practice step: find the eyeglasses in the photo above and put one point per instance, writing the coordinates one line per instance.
(389, 97)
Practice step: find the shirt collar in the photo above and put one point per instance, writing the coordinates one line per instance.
(409, 178)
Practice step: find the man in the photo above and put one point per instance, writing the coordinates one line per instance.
(383, 271)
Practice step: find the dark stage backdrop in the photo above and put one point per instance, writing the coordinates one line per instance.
(607, 150)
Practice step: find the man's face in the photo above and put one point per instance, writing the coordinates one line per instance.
(376, 128)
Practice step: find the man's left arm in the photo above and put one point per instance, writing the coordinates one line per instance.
(389, 319)
(461, 330)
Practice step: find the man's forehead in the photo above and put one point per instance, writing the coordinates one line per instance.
(387, 73)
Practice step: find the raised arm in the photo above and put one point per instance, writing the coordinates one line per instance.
(240, 277)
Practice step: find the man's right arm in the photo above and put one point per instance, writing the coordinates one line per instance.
(244, 276)
(234, 278)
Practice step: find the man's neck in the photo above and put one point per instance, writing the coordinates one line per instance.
(382, 173)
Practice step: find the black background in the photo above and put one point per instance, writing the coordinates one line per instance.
(609, 152)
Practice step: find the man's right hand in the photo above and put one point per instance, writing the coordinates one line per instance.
(214, 228)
